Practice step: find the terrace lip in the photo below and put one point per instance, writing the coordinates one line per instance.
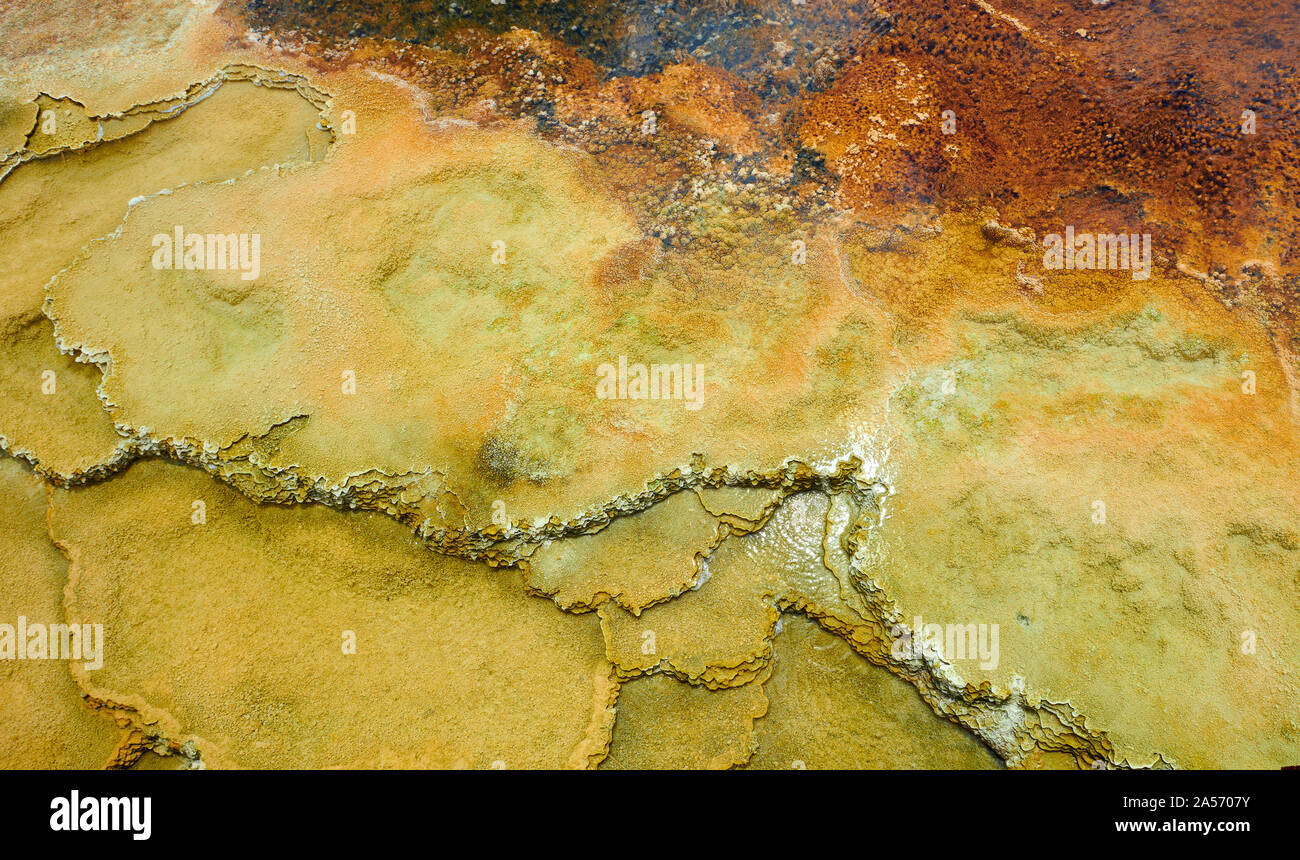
(799, 248)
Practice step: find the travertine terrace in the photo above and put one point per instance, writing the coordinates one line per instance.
(304, 315)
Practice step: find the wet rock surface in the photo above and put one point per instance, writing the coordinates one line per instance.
(651, 385)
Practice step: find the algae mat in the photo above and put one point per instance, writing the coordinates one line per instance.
(758, 385)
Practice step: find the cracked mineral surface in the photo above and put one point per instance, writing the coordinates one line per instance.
(649, 385)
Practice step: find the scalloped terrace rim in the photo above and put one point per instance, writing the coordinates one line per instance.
(503, 545)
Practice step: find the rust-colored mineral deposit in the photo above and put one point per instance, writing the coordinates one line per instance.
(767, 385)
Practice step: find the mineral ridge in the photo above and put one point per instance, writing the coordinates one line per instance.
(309, 307)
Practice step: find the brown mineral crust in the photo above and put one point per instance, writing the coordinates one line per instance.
(1146, 109)
(876, 128)
(708, 102)
(523, 71)
(1062, 380)
(706, 123)
(776, 46)
(1135, 123)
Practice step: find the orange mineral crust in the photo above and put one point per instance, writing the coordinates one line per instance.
(651, 385)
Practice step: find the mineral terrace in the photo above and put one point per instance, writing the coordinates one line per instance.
(634, 385)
